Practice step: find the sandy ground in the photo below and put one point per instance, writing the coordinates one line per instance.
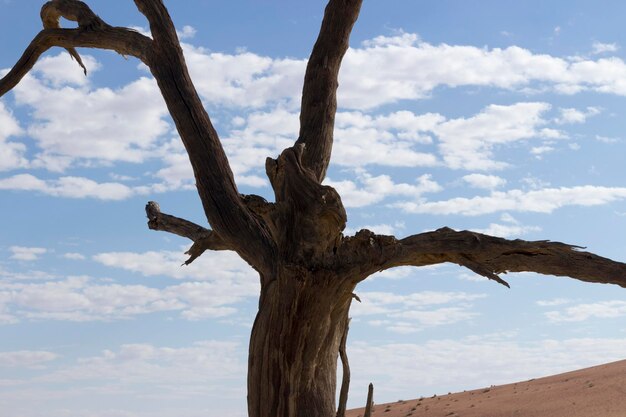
(599, 391)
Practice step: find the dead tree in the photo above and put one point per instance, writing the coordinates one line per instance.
(307, 268)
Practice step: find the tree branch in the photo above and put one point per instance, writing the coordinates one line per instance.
(224, 208)
(487, 255)
(92, 32)
(203, 239)
(345, 377)
(319, 94)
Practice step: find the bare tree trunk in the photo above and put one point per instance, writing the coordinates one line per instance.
(292, 364)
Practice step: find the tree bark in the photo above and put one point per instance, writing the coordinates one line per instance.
(292, 363)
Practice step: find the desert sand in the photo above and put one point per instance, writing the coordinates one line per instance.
(599, 391)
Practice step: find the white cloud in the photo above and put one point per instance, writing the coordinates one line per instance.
(11, 153)
(245, 79)
(70, 187)
(84, 299)
(219, 266)
(382, 71)
(388, 140)
(601, 48)
(188, 32)
(101, 125)
(373, 189)
(413, 312)
(553, 302)
(74, 256)
(469, 143)
(23, 253)
(25, 358)
(488, 182)
(570, 115)
(540, 201)
(205, 378)
(510, 228)
(61, 69)
(605, 139)
(446, 365)
(582, 312)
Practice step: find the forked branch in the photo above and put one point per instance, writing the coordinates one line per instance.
(319, 94)
(488, 255)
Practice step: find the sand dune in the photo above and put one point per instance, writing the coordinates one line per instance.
(599, 391)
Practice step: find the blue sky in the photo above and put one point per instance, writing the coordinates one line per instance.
(497, 116)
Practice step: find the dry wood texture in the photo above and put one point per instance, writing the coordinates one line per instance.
(308, 269)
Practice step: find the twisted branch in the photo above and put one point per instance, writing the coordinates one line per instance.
(92, 32)
(485, 255)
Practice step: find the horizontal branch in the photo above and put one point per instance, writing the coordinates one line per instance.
(488, 255)
(204, 239)
(121, 40)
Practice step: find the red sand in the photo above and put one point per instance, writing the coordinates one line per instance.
(599, 391)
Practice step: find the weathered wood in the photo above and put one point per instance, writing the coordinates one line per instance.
(370, 401)
(92, 32)
(203, 239)
(483, 254)
(319, 93)
(345, 366)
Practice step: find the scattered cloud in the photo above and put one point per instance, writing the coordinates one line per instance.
(25, 358)
(571, 115)
(582, 312)
(553, 302)
(509, 227)
(188, 32)
(469, 143)
(373, 189)
(602, 48)
(11, 153)
(221, 266)
(70, 187)
(544, 200)
(488, 182)
(23, 253)
(94, 125)
(413, 312)
(477, 361)
(202, 377)
(74, 256)
(82, 299)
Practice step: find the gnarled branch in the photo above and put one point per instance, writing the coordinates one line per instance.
(486, 255)
(92, 32)
(319, 94)
(203, 239)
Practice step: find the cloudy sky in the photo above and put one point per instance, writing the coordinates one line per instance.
(503, 117)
